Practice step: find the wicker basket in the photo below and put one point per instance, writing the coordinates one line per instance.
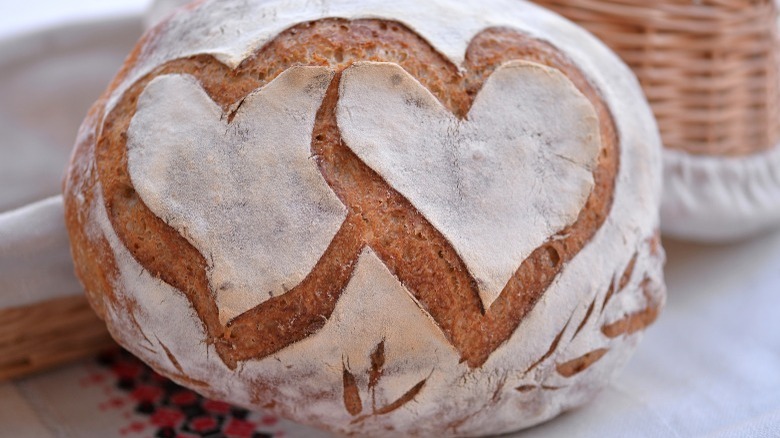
(38, 337)
(709, 67)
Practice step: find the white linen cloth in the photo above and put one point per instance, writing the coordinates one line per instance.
(48, 80)
(720, 199)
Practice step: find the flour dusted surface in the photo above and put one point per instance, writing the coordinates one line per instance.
(245, 193)
(498, 184)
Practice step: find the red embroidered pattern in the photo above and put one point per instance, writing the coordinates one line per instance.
(156, 407)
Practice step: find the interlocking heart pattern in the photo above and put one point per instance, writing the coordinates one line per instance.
(497, 185)
(503, 208)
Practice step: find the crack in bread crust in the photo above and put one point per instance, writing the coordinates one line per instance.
(378, 216)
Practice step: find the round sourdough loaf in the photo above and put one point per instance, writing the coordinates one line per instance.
(423, 218)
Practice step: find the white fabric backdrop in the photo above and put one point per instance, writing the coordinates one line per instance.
(20, 16)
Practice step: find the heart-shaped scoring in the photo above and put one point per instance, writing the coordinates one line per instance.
(498, 184)
(383, 213)
(261, 214)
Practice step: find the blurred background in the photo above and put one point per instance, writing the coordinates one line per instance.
(28, 15)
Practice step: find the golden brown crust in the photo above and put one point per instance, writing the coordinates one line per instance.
(637, 321)
(378, 216)
(92, 258)
(94, 262)
(580, 364)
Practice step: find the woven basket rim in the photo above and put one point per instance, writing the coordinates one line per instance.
(709, 69)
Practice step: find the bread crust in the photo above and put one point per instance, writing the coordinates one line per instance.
(378, 216)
